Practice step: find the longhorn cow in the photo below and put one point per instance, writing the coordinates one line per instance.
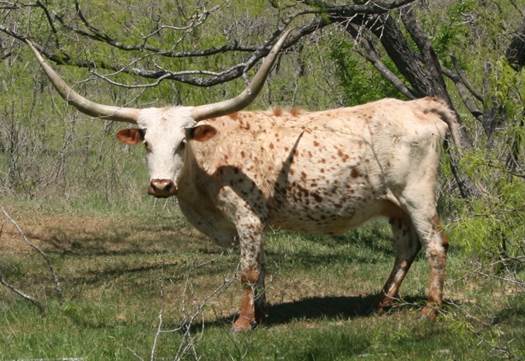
(236, 173)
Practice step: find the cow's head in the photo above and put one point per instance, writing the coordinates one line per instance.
(164, 131)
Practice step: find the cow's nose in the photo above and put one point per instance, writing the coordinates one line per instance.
(161, 187)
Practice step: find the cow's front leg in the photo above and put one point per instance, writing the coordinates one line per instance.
(253, 299)
(248, 214)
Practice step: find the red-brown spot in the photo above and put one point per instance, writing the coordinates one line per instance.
(316, 143)
(234, 115)
(317, 197)
(271, 145)
(277, 111)
(295, 111)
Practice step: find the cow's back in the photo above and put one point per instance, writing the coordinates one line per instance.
(318, 172)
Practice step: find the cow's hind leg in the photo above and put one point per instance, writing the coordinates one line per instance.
(406, 246)
(430, 232)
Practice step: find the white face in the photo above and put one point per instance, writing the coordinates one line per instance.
(162, 130)
(164, 139)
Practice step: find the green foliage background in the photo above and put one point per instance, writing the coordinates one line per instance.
(115, 247)
(52, 155)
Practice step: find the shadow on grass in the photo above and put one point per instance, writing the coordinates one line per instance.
(373, 237)
(176, 271)
(322, 308)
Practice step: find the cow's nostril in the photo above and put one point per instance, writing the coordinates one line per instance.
(168, 187)
(161, 185)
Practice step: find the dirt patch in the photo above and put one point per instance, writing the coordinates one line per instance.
(91, 234)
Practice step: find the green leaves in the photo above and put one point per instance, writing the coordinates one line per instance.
(360, 81)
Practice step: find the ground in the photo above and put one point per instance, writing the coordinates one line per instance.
(121, 271)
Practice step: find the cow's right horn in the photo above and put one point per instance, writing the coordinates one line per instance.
(86, 106)
(242, 100)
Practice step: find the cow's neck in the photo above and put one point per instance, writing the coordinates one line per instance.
(198, 206)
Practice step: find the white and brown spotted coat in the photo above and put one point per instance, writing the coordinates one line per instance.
(320, 172)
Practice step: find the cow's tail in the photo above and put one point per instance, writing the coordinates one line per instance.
(439, 106)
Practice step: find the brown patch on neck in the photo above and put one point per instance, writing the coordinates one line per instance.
(277, 111)
(234, 116)
(295, 111)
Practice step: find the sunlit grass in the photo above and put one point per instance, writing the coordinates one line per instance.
(119, 272)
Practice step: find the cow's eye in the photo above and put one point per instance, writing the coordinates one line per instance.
(148, 147)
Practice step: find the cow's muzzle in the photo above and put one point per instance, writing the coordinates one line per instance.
(162, 188)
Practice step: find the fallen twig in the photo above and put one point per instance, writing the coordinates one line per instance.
(20, 293)
(58, 287)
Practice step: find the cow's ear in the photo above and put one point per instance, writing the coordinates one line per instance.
(130, 136)
(201, 133)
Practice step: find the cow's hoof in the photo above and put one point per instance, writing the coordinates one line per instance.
(384, 304)
(430, 312)
(243, 325)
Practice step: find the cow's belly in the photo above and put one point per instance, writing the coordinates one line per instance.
(327, 209)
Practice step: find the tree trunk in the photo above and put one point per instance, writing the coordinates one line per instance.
(420, 68)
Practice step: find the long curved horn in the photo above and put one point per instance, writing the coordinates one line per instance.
(86, 106)
(242, 100)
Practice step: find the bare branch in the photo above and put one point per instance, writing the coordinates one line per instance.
(428, 54)
(462, 78)
(515, 6)
(190, 77)
(370, 7)
(20, 293)
(368, 51)
(198, 19)
(466, 95)
(49, 20)
(157, 334)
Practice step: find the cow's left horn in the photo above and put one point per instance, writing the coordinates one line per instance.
(248, 95)
(86, 106)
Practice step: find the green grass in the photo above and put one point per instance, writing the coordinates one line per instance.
(119, 271)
